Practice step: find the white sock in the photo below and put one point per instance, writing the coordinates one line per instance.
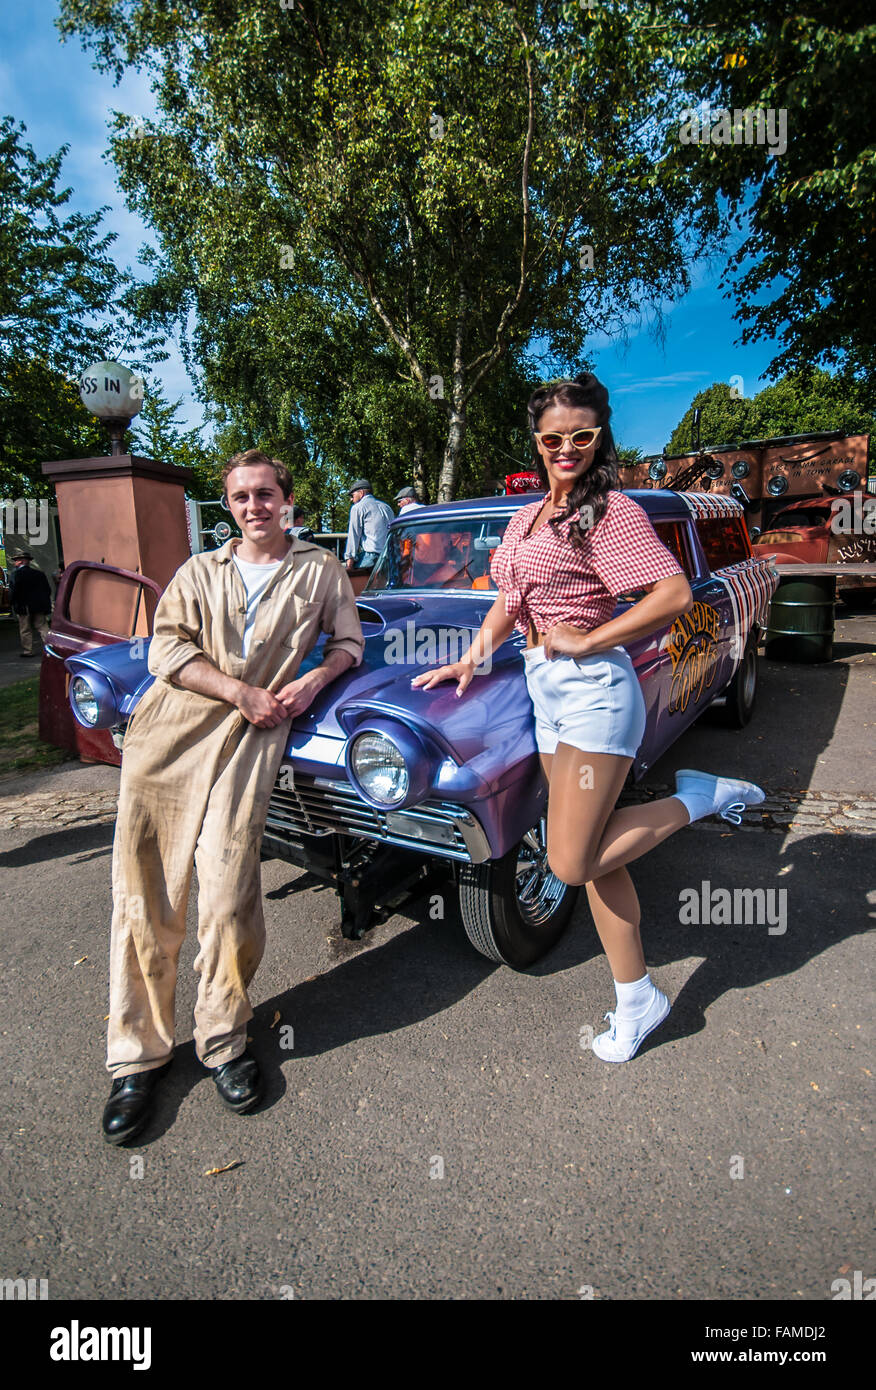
(634, 997)
(697, 804)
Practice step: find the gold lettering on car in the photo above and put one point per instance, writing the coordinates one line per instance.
(693, 651)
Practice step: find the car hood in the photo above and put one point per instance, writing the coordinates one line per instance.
(405, 638)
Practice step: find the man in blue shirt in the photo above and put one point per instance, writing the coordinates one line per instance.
(368, 526)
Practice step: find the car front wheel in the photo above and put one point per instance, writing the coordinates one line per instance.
(514, 909)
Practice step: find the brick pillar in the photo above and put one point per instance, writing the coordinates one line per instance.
(123, 511)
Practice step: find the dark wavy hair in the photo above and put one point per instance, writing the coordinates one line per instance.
(584, 392)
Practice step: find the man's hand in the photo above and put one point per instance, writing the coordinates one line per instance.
(299, 694)
(260, 707)
(351, 563)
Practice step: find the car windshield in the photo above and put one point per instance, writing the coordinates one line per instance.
(446, 554)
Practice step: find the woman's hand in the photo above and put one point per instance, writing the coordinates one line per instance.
(460, 671)
(563, 640)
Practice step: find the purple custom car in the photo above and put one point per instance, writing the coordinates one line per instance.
(385, 789)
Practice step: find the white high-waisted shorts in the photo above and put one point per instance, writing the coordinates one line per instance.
(592, 702)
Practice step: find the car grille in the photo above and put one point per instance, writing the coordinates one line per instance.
(317, 807)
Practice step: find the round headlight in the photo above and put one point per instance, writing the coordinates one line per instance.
(657, 469)
(380, 769)
(84, 700)
(740, 469)
(848, 480)
(715, 470)
(777, 485)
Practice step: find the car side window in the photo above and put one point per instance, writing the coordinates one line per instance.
(670, 534)
(723, 540)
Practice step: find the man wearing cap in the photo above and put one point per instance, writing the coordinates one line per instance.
(367, 528)
(31, 600)
(406, 499)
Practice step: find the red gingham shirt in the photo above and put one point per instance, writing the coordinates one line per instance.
(545, 580)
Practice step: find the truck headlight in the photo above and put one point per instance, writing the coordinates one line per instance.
(657, 470)
(379, 769)
(849, 480)
(777, 485)
(84, 700)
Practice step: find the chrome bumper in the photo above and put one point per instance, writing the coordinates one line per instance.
(326, 806)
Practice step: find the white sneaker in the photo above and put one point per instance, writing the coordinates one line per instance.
(625, 1036)
(722, 796)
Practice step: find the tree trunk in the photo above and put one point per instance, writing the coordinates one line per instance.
(456, 414)
(419, 468)
(450, 462)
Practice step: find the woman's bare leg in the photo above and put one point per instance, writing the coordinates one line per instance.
(590, 838)
(583, 790)
(616, 914)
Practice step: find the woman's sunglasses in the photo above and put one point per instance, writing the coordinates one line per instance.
(581, 439)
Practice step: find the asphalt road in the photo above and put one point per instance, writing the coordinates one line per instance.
(560, 1173)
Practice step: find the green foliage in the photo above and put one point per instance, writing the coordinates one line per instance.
(371, 210)
(41, 418)
(805, 272)
(58, 287)
(156, 433)
(800, 403)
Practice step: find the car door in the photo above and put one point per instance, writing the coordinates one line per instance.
(95, 606)
(662, 658)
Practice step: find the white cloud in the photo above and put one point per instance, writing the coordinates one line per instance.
(656, 383)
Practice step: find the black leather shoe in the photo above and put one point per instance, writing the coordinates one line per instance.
(129, 1108)
(239, 1083)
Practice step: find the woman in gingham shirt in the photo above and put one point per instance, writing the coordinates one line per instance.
(562, 564)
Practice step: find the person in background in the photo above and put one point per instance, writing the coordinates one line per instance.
(406, 499)
(31, 600)
(294, 525)
(368, 526)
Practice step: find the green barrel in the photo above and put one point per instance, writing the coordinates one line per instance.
(801, 621)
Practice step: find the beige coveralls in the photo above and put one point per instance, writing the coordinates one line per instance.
(196, 781)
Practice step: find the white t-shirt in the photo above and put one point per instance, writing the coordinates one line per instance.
(256, 579)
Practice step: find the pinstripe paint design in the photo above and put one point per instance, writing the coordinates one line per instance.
(750, 584)
(704, 504)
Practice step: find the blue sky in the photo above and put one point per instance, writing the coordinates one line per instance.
(54, 90)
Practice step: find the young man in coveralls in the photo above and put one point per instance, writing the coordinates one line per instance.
(201, 755)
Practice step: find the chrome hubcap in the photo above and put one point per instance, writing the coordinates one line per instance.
(538, 890)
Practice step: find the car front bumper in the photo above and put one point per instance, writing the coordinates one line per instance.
(326, 806)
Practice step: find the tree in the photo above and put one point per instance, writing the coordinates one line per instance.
(803, 272)
(441, 185)
(724, 419)
(58, 287)
(800, 403)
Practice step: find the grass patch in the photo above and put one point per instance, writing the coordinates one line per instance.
(21, 748)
